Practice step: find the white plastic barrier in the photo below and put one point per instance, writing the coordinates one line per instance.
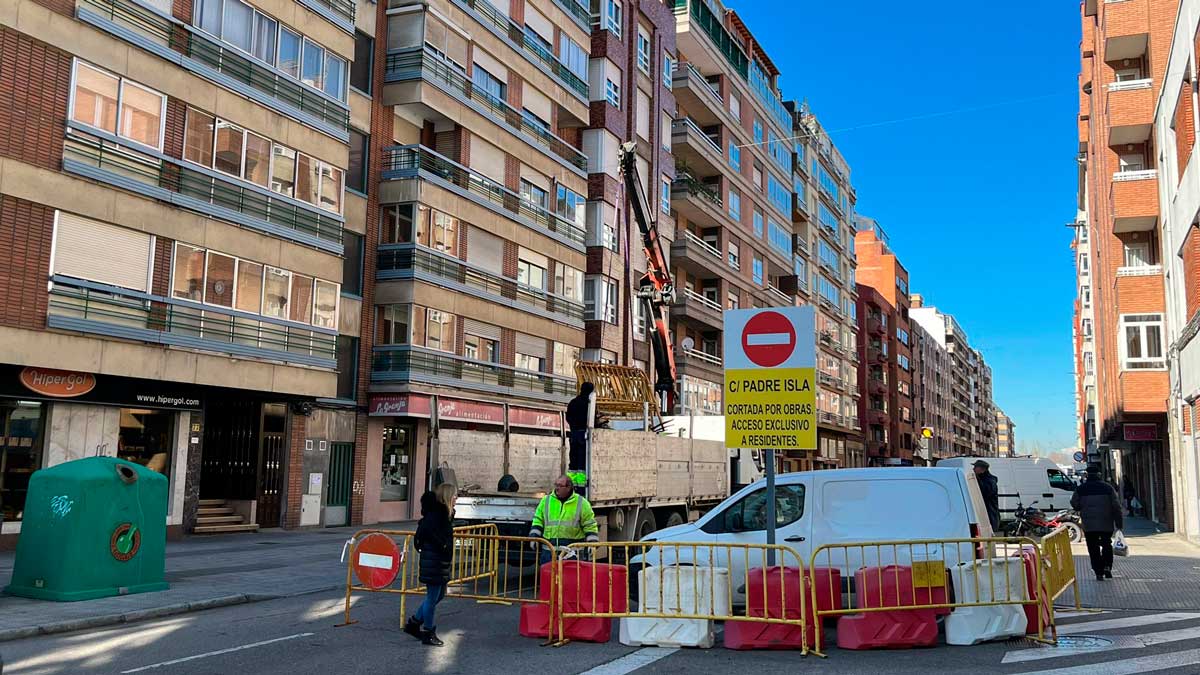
(678, 590)
(994, 580)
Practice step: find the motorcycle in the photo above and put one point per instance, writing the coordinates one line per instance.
(1031, 521)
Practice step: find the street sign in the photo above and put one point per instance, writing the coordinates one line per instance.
(770, 368)
(1078, 456)
(376, 561)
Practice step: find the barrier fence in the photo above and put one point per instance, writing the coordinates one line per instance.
(1060, 565)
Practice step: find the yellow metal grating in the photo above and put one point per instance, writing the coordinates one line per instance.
(620, 390)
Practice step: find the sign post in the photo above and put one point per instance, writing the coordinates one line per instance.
(770, 393)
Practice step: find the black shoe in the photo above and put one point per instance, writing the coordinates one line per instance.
(429, 637)
(1099, 576)
(413, 627)
(1107, 574)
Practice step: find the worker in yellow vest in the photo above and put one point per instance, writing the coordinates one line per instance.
(564, 517)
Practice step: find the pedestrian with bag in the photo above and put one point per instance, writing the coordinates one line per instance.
(435, 542)
(1099, 508)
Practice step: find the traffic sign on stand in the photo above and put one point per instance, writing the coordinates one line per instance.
(770, 368)
(376, 561)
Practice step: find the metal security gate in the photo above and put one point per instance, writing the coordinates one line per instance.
(341, 483)
(270, 464)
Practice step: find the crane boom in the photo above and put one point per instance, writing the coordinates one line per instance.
(656, 289)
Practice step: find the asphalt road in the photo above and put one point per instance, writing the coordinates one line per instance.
(298, 635)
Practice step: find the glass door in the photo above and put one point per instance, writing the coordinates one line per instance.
(21, 440)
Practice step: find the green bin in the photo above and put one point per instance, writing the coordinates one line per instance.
(92, 528)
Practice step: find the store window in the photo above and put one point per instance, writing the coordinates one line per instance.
(146, 437)
(397, 464)
(21, 426)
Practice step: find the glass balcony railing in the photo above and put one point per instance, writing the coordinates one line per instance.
(712, 26)
(406, 363)
(412, 161)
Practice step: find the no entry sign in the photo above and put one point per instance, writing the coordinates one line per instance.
(376, 561)
(770, 365)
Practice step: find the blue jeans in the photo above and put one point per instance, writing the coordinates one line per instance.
(433, 595)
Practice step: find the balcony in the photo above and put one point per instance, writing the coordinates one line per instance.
(699, 152)
(830, 419)
(852, 389)
(407, 70)
(182, 44)
(97, 309)
(878, 417)
(408, 261)
(779, 296)
(403, 162)
(876, 385)
(109, 159)
(1130, 109)
(697, 96)
(1126, 29)
(697, 201)
(827, 380)
(699, 364)
(876, 355)
(876, 327)
(1140, 289)
(701, 35)
(701, 258)
(1133, 197)
(854, 423)
(693, 306)
(408, 364)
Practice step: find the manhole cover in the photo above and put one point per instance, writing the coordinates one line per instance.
(1082, 642)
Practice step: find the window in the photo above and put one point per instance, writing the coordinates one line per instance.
(364, 55)
(826, 217)
(758, 269)
(398, 445)
(600, 300)
(573, 56)
(276, 285)
(902, 335)
(749, 514)
(735, 106)
(664, 130)
(612, 16)
(100, 252)
(218, 280)
(356, 173)
(734, 256)
(902, 285)
(565, 357)
(664, 199)
(800, 269)
(1089, 364)
(1142, 343)
(489, 84)
(1086, 326)
(1083, 263)
(668, 65)
(1137, 254)
(352, 263)
(571, 205)
(732, 301)
(735, 204)
(568, 282)
(612, 92)
(118, 106)
(780, 152)
(1060, 480)
(778, 194)
(531, 275)
(643, 51)
(392, 324)
(735, 156)
(758, 131)
(758, 223)
(439, 330)
(347, 365)
(1085, 293)
(534, 194)
(903, 361)
(779, 238)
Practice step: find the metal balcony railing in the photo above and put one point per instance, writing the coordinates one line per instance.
(407, 363)
(408, 64)
(686, 182)
(693, 296)
(711, 359)
(88, 307)
(1140, 271)
(411, 161)
(685, 125)
(704, 245)
(691, 74)
(408, 261)
(1129, 85)
(779, 295)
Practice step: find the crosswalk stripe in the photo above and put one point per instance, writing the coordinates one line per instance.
(1125, 622)
(1083, 612)
(1119, 642)
(1141, 664)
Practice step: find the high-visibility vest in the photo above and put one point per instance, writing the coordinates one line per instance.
(572, 520)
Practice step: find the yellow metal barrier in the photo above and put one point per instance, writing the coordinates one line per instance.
(942, 571)
(1059, 562)
(718, 575)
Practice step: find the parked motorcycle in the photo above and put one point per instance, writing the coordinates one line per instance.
(1031, 521)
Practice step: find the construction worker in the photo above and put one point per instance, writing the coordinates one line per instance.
(563, 518)
(577, 420)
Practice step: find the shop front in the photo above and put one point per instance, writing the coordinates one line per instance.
(49, 416)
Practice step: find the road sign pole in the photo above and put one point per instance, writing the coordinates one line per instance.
(769, 457)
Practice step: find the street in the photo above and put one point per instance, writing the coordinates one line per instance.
(1149, 620)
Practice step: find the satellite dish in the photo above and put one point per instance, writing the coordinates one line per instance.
(687, 343)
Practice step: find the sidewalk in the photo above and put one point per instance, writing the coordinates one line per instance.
(204, 572)
(1162, 572)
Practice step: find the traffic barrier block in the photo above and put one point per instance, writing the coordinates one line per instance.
(989, 580)
(891, 586)
(1043, 603)
(780, 598)
(677, 590)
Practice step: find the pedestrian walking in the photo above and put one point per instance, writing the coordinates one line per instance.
(435, 541)
(564, 517)
(1099, 508)
(989, 487)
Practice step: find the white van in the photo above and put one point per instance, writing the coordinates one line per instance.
(837, 506)
(1025, 480)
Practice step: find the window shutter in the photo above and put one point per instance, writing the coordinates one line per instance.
(533, 346)
(96, 251)
(484, 330)
(485, 250)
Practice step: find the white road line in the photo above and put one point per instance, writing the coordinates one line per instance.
(1119, 642)
(1142, 664)
(1074, 613)
(216, 653)
(631, 662)
(1124, 622)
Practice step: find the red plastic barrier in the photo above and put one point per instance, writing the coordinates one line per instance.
(780, 600)
(1031, 610)
(890, 586)
(578, 579)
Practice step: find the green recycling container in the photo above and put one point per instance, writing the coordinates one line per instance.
(92, 528)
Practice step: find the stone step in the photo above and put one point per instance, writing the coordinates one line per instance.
(212, 502)
(225, 529)
(215, 511)
(219, 520)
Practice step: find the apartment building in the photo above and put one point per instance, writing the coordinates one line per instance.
(1179, 240)
(183, 217)
(1120, 241)
(931, 387)
(886, 348)
(1006, 444)
(972, 416)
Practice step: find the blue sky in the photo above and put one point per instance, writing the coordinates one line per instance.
(974, 202)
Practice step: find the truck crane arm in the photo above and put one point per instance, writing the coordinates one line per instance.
(656, 289)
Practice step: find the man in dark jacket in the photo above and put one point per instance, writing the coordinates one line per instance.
(1099, 508)
(989, 487)
(577, 421)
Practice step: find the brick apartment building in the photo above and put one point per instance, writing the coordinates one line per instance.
(1006, 444)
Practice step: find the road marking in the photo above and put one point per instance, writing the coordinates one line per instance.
(1125, 622)
(1119, 642)
(1083, 612)
(631, 662)
(1142, 664)
(216, 653)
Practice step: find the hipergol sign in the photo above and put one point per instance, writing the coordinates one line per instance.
(57, 383)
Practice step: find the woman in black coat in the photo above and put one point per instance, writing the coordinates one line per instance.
(435, 542)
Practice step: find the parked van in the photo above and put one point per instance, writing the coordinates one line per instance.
(814, 508)
(1025, 480)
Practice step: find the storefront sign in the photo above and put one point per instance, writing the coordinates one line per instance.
(539, 419)
(57, 383)
(470, 411)
(1141, 432)
(400, 405)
